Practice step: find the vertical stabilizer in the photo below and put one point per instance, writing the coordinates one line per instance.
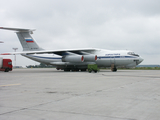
(25, 38)
(27, 42)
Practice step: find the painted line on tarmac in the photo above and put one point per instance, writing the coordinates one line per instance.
(9, 85)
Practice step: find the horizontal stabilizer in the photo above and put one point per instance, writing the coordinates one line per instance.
(18, 29)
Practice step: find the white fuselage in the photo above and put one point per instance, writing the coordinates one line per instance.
(105, 58)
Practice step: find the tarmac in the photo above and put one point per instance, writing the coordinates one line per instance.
(48, 94)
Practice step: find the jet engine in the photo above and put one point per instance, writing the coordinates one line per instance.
(90, 58)
(73, 58)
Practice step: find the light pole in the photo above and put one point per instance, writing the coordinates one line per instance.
(15, 55)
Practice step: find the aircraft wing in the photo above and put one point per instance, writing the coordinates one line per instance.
(63, 52)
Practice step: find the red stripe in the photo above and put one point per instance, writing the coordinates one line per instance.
(5, 54)
(29, 41)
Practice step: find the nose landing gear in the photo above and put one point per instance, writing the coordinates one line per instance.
(113, 68)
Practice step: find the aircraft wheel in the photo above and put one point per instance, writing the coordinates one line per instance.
(75, 70)
(83, 69)
(114, 69)
(66, 69)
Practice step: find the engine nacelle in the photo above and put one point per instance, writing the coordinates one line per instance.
(73, 58)
(90, 58)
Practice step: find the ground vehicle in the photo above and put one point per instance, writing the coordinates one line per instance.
(92, 67)
(5, 65)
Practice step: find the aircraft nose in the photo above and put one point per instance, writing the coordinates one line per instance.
(140, 59)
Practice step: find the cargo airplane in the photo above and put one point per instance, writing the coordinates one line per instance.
(73, 59)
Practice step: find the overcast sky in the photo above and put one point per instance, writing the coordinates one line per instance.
(62, 24)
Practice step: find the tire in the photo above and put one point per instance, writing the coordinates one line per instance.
(89, 71)
(66, 70)
(83, 69)
(75, 70)
(6, 70)
(115, 70)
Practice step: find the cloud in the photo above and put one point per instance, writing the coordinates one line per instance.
(125, 24)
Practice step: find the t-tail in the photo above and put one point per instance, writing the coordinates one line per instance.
(25, 38)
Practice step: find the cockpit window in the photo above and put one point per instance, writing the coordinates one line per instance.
(132, 53)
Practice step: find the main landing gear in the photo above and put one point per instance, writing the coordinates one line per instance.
(74, 70)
